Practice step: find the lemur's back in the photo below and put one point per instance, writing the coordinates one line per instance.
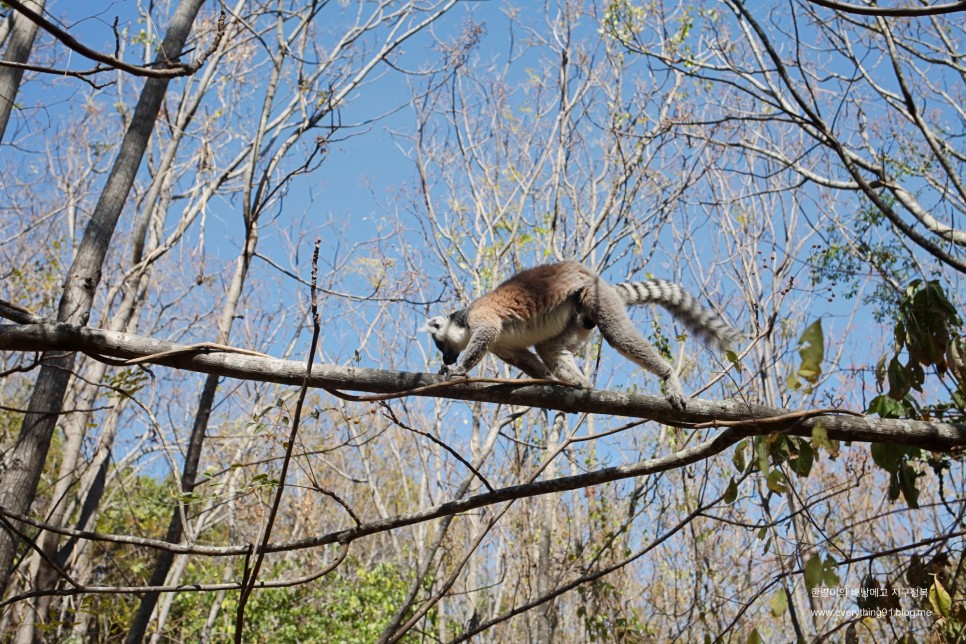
(534, 305)
(534, 291)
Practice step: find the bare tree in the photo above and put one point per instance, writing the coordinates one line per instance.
(23, 465)
(19, 41)
(207, 481)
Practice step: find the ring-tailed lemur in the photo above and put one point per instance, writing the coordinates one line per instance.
(553, 308)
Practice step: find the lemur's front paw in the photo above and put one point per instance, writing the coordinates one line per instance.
(674, 393)
(453, 372)
(678, 402)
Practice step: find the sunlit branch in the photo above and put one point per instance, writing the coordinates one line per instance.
(893, 12)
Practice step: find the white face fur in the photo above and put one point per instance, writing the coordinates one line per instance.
(450, 338)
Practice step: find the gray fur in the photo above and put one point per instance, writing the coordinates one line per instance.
(703, 323)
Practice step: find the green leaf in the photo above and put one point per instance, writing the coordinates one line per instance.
(812, 351)
(739, 456)
(820, 439)
(829, 576)
(813, 572)
(893, 490)
(898, 461)
(731, 493)
(887, 456)
(761, 448)
(887, 407)
(907, 484)
(868, 600)
(754, 637)
(852, 634)
(777, 482)
(939, 598)
(801, 461)
(779, 603)
(880, 372)
(956, 358)
(188, 497)
(900, 380)
(928, 316)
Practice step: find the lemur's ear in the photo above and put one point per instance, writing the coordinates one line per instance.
(433, 325)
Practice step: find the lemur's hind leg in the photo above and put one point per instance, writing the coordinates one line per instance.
(558, 354)
(601, 304)
(526, 361)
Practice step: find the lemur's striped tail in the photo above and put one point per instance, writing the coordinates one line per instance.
(703, 323)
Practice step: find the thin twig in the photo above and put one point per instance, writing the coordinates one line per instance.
(178, 588)
(252, 575)
(771, 420)
(456, 455)
(201, 347)
(516, 382)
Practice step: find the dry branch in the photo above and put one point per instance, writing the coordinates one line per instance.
(934, 436)
(683, 457)
(893, 12)
(168, 64)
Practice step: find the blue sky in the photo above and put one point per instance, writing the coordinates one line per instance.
(360, 182)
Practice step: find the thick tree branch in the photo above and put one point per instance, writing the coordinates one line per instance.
(97, 342)
(893, 12)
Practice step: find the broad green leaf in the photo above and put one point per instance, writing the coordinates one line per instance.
(739, 457)
(939, 598)
(907, 483)
(761, 448)
(887, 456)
(779, 603)
(731, 493)
(801, 461)
(829, 576)
(820, 439)
(900, 380)
(813, 572)
(776, 482)
(812, 351)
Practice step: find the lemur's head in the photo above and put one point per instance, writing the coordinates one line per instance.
(450, 333)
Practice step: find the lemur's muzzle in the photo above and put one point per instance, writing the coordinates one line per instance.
(449, 356)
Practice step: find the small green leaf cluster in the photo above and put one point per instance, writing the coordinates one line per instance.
(927, 334)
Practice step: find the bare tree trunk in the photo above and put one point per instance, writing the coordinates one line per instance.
(24, 463)
(546, 616)
(22, 35)
(189, 472)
